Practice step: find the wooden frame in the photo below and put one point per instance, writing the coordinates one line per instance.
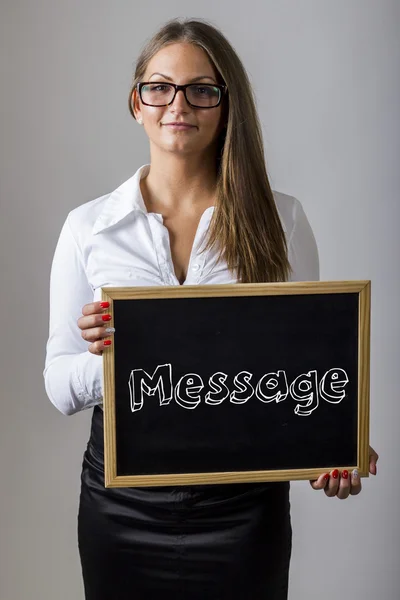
(363, 288)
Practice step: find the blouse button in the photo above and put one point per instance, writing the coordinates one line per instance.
(196, 267)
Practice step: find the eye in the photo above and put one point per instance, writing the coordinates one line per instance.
(157, 87)
(203, 90)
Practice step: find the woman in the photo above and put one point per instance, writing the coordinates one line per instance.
(206, 182)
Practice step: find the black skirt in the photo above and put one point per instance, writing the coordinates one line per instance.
(208, 542)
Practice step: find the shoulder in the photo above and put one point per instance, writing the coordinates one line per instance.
(105, 211)
(289, 209)
(81, 219)
(302, 246)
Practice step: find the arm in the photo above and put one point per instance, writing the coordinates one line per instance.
(73, 376)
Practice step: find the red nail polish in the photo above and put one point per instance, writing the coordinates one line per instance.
(335, 474)
(106, 317)
(107, 343)
(326, 477)
(345, 474)
(104, 304)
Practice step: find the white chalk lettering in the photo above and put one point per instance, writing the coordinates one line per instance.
(160, 381)
(272, 386)
(246, 390)
(187, 390)
(332, 384)
(190, 390)
(219, 390)
(305, 389)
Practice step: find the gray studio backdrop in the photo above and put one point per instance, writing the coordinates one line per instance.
(327, 80)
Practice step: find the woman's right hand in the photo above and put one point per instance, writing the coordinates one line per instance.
(95, 326)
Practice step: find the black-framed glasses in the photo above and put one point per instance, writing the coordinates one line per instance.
(198, 95)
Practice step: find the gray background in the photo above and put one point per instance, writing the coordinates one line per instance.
(327, 79)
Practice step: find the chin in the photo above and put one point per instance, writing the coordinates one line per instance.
(180, 146)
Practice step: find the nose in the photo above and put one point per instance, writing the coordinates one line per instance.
(180, 100)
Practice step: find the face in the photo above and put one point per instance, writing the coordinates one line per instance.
(180, 63)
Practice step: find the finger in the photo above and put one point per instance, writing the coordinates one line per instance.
(355, 483)
(99, 346)
(96, 333)
(320, 483)
(373, 459)
(93, 320)
(333, 485)
(344, 486)
(95, 307)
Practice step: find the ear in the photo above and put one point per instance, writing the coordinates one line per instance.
(135, 104)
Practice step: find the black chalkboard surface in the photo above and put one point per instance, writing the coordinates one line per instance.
(232, 383)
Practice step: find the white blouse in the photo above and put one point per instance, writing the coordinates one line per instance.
(114, 241)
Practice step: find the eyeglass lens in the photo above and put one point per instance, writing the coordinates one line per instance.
(197, 94)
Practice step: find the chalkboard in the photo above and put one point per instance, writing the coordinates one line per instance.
(235, 383)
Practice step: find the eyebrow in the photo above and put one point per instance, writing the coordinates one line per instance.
(190, 81)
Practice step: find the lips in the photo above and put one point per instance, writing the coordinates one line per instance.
(177, 124)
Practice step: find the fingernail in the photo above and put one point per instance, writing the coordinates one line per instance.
(104, 304)
(345, 474)
(107, 343)
(335, 474)
(355, 474)
(106, 317)
(109, 330)
(326, 477)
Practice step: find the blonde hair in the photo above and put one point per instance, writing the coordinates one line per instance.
(245, 226)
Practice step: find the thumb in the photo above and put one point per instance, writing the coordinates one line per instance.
(320, 483)
(373, 459)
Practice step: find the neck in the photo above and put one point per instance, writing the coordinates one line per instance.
(179, 183)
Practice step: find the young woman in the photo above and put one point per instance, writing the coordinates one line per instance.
(206, 181)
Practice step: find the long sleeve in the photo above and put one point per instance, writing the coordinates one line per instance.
(73, 376)
(302, 248)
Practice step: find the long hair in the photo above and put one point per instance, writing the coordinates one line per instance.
(245, 226)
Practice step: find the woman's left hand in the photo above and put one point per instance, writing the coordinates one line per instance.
(344, 484)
